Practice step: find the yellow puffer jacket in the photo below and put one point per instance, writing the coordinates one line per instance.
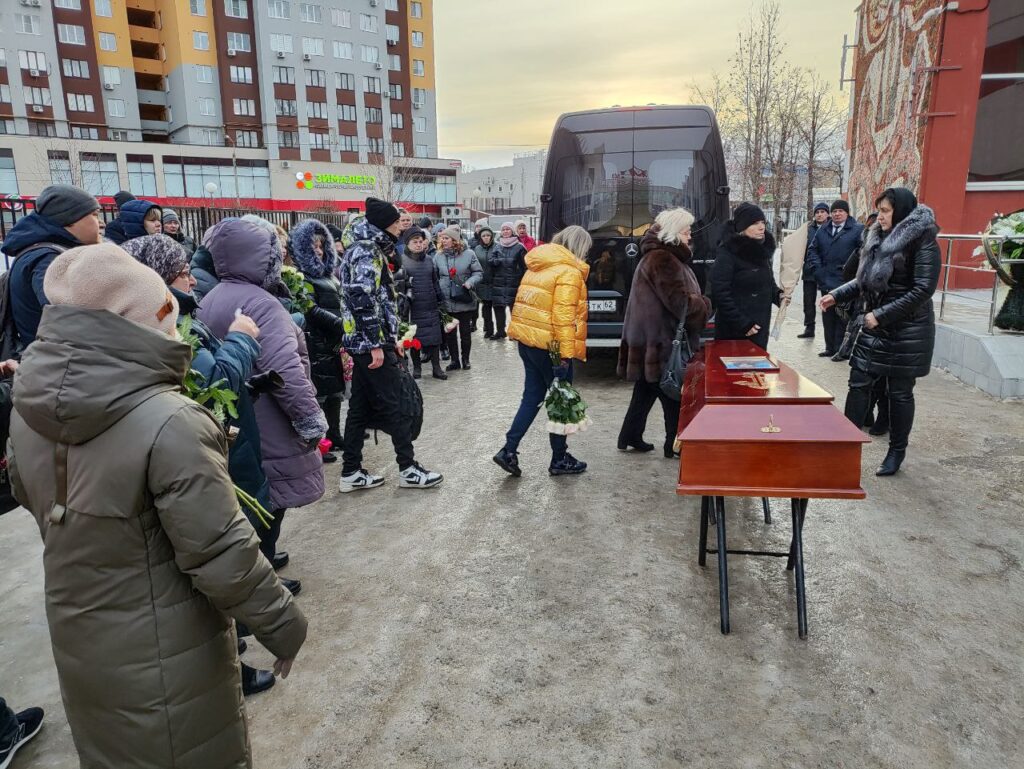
(551, 303)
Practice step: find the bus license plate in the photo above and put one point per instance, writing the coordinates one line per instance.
(602, 305)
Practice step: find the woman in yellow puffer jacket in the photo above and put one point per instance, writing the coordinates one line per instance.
(551, 306)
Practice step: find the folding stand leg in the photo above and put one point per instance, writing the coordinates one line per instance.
(702, 555)
(767, 509)
(792, 545)
(797, 556)
(723, 567)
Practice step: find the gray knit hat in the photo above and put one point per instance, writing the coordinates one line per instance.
(170, 215)
(454, 232)
(161, 253)
(63, 204)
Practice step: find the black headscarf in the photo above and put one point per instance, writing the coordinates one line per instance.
(902, 200)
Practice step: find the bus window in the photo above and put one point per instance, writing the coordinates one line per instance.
(596, 192)
(672, 180)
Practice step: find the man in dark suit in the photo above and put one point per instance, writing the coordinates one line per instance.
(810, 286)
(833, 244)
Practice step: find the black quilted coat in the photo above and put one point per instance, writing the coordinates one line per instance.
(896, 278)
(508, 265)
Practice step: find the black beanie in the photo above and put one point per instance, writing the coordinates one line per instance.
(380, 213)
(412, 233)
(123, 197)
(745, 215)
(336, 233)
(63, 204)
(425, 223)
(840, 205)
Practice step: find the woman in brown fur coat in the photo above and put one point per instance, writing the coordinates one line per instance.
(663, 285)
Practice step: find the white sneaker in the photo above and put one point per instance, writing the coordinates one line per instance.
(358, 481)
(415, 477)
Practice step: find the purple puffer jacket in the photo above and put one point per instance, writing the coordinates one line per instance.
(247, 259)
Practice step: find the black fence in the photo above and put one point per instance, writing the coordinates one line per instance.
(195, 220)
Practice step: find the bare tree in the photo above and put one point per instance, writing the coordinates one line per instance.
(783, 146)
(821, 125)
(395, 176)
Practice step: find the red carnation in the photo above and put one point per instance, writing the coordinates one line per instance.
(417, 344)
(453, 272)
(406, 343)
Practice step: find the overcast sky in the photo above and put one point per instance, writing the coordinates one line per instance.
(505, 71)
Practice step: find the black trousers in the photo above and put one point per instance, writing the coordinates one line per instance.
(430, 354)
(500, 316)
(268, 537)
(331, 404)
(463, 333)
(488, 310)
(835, 329)
(901, 404)
(810, 304)
(635, 422)
(375, 402)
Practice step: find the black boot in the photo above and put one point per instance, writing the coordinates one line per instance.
(891, 464)
(638, 445)
(670, 448)
(255, 681)
(808, 333)
(465, 364)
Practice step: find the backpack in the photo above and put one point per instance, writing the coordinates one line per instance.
(410, 406)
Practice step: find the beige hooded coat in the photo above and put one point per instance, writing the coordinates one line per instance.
(146, 554)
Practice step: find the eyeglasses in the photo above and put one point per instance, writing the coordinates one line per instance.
(185, 273)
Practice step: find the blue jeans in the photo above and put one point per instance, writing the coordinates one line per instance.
(539, 375)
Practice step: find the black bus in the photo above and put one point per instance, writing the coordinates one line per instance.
(612, 171)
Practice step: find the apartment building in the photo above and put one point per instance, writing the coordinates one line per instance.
(322, 88)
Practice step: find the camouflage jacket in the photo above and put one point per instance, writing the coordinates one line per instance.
(369, 315)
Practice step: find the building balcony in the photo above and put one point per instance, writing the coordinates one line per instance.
(139, 34)
(141, 5)
(154, 126)
(156, 98)
(148, 66)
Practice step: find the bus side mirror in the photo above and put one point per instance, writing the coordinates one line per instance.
(545, 197)
(723, 190)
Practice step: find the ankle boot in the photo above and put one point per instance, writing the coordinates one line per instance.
(891, 464)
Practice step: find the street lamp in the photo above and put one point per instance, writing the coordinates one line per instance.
(211, 190)
(234, 169)
(476, 194)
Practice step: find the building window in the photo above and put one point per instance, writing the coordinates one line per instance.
(74, 68)
(349, 143)
(371, 84)
(99, 173)
(80, 102)
(239, 41)
(342, 50)
(419, 97)
(5, 93)
(395, 91)
(103, 9)
(200, 41)
(374, 115)
(284, 75)
(244, 106)
(241, 74)
(391, 5)
(141, 175)
(115, 107)
(368, 23)
(416, 10)
(108, 41)
(71, 5)
(394, 62)
(398, 149)
(419, 125)
(198, 7)
(347, 112)
(204, 73)
(206, 106)
(72, 34)
(391, 33)
(117, 136)
(26, 24)
(422, 151)
(278, 9)
(369, 53)
(111, 75)
(316, 78)
(318, 141)
(37, 97)
(3, 59)
(247, 139)
(418, 67)
(189, 177)
(314, 46)
(33, 60)
(997, 157)
(289, 139)
(316, 109)
(341, 17)
(311, 13)
(210, 137)
(285, 107)
(344, 81)
(60, 167)
(281, 42)
(375, 146)
(417, 39)
(236, 9)
(397, 120)
(85, 132)
(41, 128)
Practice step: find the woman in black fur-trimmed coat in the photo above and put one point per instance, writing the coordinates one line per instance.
(898, 273)
(743, 286)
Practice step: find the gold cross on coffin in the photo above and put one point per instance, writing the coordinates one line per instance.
(754, 380)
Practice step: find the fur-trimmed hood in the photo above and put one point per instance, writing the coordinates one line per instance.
(748, 248)
(880, 251)
(301, 248)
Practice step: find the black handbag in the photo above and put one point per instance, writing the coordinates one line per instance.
(674, 373)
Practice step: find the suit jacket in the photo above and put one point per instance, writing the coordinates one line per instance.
(827, 255)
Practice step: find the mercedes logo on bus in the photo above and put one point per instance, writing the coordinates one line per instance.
(632, 250)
